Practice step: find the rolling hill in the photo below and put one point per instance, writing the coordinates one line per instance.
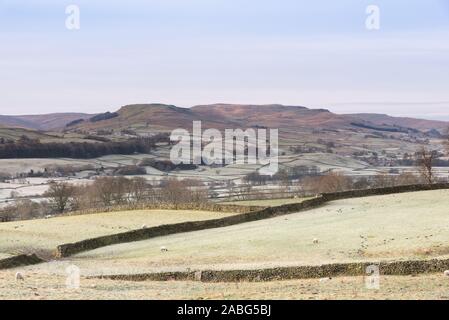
(162, 117)
(220, 116)
(45, 122)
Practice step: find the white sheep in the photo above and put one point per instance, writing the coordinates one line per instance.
(446, 273)
(144, 226)
(315, 241)
(164, 249)
(19, 277)
(325, 279)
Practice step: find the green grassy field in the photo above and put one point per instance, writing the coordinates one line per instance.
(402, 226)
(44, 235)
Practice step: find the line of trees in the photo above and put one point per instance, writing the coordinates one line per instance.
(106, 192)
(31, 148)
(111, 191)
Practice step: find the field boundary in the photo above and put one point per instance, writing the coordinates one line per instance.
(383, 191)
(393, 268)
(216, 207)
(20, 260)
(66, 250)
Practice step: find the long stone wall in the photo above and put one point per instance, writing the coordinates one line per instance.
(21, 260)
(383, 191)
(216, 207)
(69, 249)
(400, 268)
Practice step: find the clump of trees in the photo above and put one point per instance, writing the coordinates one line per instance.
(104, 116)
(130, 171)
(166, 165)
(25, 209)
(60, 195)
(74, 123)
(337, 182)
(332, 182)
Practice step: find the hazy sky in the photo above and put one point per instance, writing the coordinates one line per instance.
(186, 52)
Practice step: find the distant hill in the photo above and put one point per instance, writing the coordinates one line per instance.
(220, 116)
(155, 116)
(45, 122)
(15, 122)
(162, 117)
(419, 124)
(272, 116)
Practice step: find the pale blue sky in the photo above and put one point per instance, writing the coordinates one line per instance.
(187, 52)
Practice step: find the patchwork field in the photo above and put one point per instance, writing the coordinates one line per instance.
(44, 235)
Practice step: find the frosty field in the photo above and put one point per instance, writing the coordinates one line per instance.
(44, 235)
(392, 227)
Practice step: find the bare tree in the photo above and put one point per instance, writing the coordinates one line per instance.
(173, 191)
(85, 197)
(138, 189)
(425, 161)
(60, 195)
(382, 180)
(407, 178)
(120, 187)
(104, 190)
(331, 182)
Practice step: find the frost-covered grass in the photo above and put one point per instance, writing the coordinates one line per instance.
(45, 286)
(46, 234)
(392, 227)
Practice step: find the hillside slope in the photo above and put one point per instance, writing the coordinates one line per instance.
(45, 122)
(419, 124)
(221, 116)
(162, 117)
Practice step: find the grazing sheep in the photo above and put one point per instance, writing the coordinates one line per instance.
(315, 241)
(144, 226)
(325, 279)
(19, 277)
(164, 249)
(446, 273)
